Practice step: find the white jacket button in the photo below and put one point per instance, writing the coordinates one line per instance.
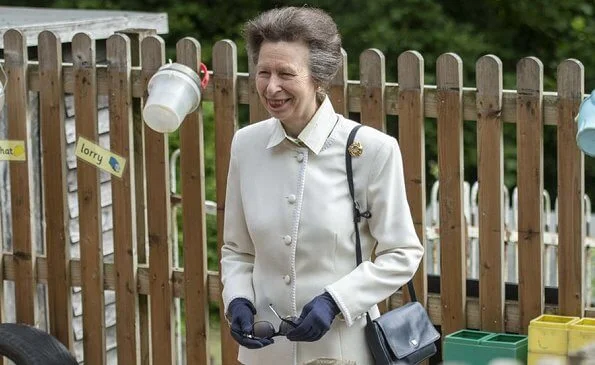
(300, 157)
(287, 239)
(291, 199)
(287, 279)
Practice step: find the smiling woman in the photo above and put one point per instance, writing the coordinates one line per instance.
(289, 218)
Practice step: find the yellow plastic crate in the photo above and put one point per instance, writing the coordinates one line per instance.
(581, 334)
(535, 358)
(549, 334)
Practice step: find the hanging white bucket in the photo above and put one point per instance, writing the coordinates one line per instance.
(585, 137)
(174, 91)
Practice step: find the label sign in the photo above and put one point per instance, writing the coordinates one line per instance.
(100, 157)
(12, 151)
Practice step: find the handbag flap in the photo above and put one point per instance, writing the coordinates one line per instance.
(407, 329)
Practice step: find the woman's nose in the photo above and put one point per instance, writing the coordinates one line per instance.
(274, 84)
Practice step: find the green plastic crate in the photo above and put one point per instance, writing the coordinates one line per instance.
(503, 345)
(472, 347)
(463, 347)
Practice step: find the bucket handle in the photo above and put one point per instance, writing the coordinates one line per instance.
(205, 79)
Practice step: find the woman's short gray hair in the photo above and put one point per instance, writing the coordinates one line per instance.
(312, 26)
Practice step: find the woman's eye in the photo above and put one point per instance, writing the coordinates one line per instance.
(263, 73)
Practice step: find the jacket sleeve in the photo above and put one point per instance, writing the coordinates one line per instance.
(237, 252)
(398, 250)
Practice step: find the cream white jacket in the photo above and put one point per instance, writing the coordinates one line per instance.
(289, 235)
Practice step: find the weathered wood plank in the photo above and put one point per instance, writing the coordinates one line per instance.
(490, 170)
(53, 154)
(373, 80)
(450, 161)
(19, 125)
(89, 203)
(158, 220)
(530, 188)
(473, 315)
(225, 73)
(410, 65)
(571, 189)
(338, 88)
(192, 170)
(123, 198)
(509, 97)
(136, 37)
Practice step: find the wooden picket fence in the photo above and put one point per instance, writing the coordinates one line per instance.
(145, 281)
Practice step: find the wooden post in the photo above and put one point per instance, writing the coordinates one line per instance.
(192, 166)
(55, 191)
(571, 189)
(89, 203)
(372, 82)
(225, 73)
(490, 170)
(19, 125)
(450, 161)
(412, 144)
(123, 198)
(530, 188)
(136, 37)
(158, 219)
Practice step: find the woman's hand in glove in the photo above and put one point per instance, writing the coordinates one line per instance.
(241, 315)
(315, 320)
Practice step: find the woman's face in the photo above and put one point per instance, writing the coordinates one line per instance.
(284, 84)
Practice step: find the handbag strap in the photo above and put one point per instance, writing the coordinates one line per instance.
(357, 213)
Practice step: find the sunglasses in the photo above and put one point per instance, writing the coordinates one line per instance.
(265, 329)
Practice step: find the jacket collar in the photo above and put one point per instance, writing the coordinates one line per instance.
(315, 133)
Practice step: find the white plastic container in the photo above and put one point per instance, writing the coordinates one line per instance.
(585, 137)
(174, 91)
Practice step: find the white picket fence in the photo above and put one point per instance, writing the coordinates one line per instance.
(510, 225)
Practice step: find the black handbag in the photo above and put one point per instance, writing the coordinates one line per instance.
(404, 335)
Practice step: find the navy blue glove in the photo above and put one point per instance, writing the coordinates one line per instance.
(315, 320)
(241, 315)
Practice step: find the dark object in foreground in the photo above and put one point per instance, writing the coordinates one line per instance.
(27, 345)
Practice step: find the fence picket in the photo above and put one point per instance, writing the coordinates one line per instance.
(192, 165)
(530, 188)
(571, 186)
(53, 139)
(450, 161)
(119, 57)
(158, 219)
(136, 36)
(490, 152)
(225, 74)
(16, 59)
(372, 82)
(89, 202)
(412, 143)
(257, 111)
(338, 88)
